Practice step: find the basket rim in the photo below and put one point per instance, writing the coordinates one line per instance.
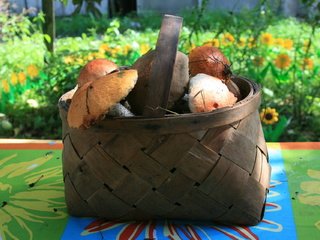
(188, 122)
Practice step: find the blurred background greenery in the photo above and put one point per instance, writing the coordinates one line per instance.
(280, 53)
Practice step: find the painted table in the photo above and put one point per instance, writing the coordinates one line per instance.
(32, 200)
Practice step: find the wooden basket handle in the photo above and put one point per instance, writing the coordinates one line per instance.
(162, 67)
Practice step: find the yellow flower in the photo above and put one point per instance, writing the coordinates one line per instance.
(115, 51)
(267, 38)
(241, 42)
(126, 49)
(258, 61)
(22, 78)
(80, 61)
(190, 47)
(98, 55)
(269, 115)
(251, 42)
(214, 43)
(278, 41)
(227, 39)
(14, 78)
(32, 71)
(307, 63)
(89, 57)
(287, 43)
(144, 48)
(5, 86)
(283, 61)
(68, 59)
(104, 47)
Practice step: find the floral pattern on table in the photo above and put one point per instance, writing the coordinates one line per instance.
(31, 192)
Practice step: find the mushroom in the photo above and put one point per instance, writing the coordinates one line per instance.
(207, 93)
(65, 99)
(94, 99)
(209, 60)
(78, 107)
(180, 79)
(95, 69)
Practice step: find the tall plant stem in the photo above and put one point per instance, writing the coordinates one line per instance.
(195, 26)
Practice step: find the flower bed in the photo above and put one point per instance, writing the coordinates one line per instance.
(280, 54)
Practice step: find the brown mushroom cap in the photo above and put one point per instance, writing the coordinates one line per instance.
(78, 107)
(209, 60)
(180, 79)
(95, 69)
(93, 100)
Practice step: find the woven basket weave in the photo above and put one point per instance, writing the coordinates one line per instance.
(206, 166)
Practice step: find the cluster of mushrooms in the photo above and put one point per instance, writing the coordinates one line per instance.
(201, 82)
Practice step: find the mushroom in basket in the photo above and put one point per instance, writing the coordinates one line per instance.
(207, 93)
(99, 96)
(180, 78)
(211, 86)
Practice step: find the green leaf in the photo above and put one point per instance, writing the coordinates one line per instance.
(47, 38)
(275, 72)
(264, 71)
(279, 129)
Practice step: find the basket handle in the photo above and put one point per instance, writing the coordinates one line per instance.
(162, 67)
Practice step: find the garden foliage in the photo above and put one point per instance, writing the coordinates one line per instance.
(281, 54)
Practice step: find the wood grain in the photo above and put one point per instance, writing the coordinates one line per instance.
(162, 67)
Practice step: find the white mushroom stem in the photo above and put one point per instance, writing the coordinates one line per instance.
(119, 110)
(207, 93)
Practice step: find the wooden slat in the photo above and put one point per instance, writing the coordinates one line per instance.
(265, 172)
(216, 137)
(132, 189)
(179, 123)
(215, 176)
(206, 203)
(198, 162)
(85, 181)
(107, 170)
(121, 148)
(250, 126)
(76, 205)
(77, 137)
(176, 186)
(239, 149)
(162, 67)
(238, 216)
(257, 167)
(234, 180)
(137, 215)
(173, 149)
(104, 203)
(190, 211)
(155, 204)
(69, 152)
(253, 198)
(148, 169)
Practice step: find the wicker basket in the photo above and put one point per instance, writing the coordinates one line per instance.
(207, 166)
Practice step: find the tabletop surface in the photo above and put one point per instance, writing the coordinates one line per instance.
(32, 202)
